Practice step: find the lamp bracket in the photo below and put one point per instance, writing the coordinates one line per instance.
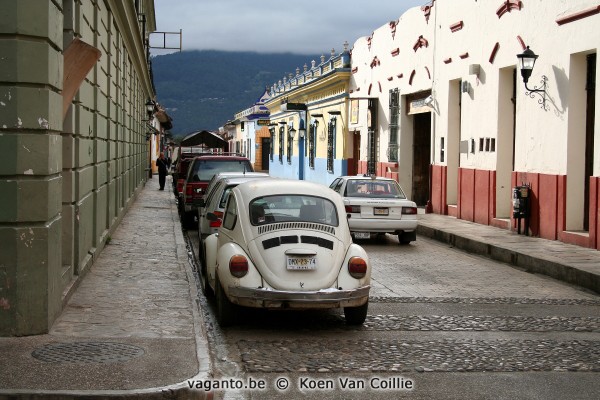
(540, 91)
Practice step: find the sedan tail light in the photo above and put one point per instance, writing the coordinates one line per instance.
(352, 209)
(238, 266)
(409, 210)
(357, 267)
(217, 223)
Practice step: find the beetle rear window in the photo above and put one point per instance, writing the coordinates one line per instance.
(293, 208)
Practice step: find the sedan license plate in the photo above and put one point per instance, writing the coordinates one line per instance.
(381, 211)
(301, 263)
(362, 235)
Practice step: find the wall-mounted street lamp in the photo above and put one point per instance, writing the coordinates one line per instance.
(527, 61)
(291, 132)
(301, 129)
(150, 105)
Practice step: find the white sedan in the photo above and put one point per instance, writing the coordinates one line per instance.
(377, 205)
(285, 244)
(216, 196)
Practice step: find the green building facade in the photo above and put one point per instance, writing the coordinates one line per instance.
(73, 150)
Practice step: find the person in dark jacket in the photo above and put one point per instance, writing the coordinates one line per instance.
(162, 164)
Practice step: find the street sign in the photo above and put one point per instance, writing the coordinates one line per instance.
(263, 122)
(293, 107)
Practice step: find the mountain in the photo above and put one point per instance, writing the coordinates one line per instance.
(204, 89)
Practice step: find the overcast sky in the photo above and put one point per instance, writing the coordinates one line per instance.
(273, 26)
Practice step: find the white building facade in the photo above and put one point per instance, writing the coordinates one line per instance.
(437, 101)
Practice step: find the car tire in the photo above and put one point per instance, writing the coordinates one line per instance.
(356, 315)
(404, 238)
(187, 220)
(206, 289)
(226, 310)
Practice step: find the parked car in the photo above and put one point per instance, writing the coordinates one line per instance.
(200, 172)
(215, 199)
(180, 168)
(377, 205)
(285, 244)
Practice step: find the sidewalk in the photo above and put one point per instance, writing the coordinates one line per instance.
(131, 330)
(565, 262)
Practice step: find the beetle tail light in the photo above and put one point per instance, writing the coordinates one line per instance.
(409, 210)
(217, 223)
(238, 266)
(357, 267)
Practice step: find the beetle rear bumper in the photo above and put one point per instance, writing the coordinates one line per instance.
(267, 298)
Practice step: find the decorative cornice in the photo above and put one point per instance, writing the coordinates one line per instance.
(393, 25)
(508, 6)
(448, 60)
(578, 15)
(494, 51)
(399, 76)
(395, 52)
(421, 42)
(354, 70)
(456, 27)
(427, 10)
(521, 42)
(390, 78)
(464, 55)
(375, 62)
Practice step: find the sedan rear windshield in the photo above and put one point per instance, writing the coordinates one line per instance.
(204, 170)
(292, 208)
(373, 188)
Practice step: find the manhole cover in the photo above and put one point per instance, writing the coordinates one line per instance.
(87, 352)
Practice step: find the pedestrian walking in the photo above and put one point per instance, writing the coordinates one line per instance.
(162, 164)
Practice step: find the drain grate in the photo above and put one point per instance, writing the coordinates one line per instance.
(87, 352)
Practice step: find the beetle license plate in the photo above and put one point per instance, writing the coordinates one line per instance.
(362, 235)
(301, 263)
(381, 211)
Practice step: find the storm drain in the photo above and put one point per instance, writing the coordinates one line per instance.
(87, 352)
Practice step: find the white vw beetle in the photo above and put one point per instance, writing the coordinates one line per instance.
(286, 244)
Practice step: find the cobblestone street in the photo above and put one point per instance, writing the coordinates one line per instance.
(443, 318)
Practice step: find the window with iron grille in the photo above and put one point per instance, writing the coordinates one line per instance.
(331, 143)
(372, 153)
(290, 145)
(312, 135)
(373, 137)
(392, 152)
(281, 133)
(272, 143)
